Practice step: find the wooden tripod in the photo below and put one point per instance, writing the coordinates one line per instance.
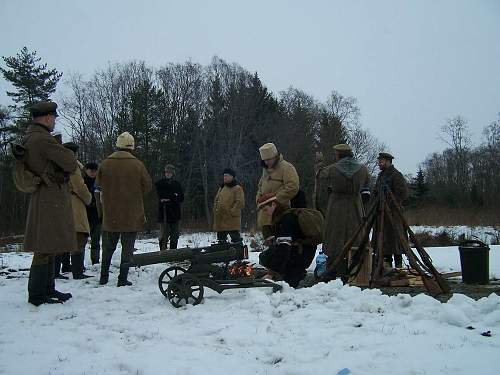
(384, 207)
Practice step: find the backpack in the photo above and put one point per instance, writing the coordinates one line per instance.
(311, 224)
(24, 179)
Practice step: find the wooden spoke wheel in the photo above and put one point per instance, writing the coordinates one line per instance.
(168, 275)
(184, 289)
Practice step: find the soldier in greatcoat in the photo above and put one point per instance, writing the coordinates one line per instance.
(50, 228)
(228, 203)
(391, 179)
(348, 181)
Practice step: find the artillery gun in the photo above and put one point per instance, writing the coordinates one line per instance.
(218, 267)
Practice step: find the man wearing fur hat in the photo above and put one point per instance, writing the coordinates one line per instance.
(50, 228)
(390, 178)
(348, 186)
(124, 181)
(170, 196)
(278, 177)
(228, 203)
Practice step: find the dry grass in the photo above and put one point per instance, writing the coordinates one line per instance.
(443, 216)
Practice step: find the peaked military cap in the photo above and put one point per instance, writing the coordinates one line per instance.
(44, 108)
(342, 147)
(385, 155)
(71, 146)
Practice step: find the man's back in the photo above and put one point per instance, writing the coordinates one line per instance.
(123, 180)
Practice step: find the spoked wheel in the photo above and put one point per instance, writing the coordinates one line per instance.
(168, 275)
(185, 289)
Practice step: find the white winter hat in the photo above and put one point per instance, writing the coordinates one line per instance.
(268, 151)
(125, 140)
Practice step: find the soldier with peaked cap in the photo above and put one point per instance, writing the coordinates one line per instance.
(124, 181)
(170, 195)
(50, 228)
(278, 177)
(348, 181)
(391, 178)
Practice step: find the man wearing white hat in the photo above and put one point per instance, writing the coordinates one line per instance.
(124, 181)
(278, 177)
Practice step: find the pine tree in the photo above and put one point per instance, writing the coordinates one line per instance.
(32, 80)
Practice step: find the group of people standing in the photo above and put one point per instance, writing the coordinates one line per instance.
(71, 202)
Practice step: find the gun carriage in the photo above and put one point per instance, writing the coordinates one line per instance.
(218, 267)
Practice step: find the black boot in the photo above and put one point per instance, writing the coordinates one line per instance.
(104, 272)
(77, 266)
(173, 244)
(65, 260)
(37, 285)
(122, 277)
(51, 285)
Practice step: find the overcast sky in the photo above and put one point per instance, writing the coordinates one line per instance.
(410, 64)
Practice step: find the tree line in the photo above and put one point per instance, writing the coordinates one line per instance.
(204, 118)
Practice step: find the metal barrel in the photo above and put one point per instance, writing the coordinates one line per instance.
(164, 256)
(222, 256)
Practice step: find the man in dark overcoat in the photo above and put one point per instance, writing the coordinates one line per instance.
(93, 216)
(50, 229)
(390, 178)
(170, 196)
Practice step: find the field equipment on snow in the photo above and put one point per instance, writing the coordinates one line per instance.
(219, 267)
(384, 207)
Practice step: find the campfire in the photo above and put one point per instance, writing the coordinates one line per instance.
(240, 269)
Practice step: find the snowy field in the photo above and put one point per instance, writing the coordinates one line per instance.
(326, 329)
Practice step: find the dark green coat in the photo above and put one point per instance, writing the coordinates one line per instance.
(398, 186)
(50, 227)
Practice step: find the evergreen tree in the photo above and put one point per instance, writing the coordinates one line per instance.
(32, 80)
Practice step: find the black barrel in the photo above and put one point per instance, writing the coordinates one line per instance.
(475, 262)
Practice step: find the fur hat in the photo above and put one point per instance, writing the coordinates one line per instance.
(268, 151)
(265, 199)
(92, 166)
(125, 140)
(169, 168)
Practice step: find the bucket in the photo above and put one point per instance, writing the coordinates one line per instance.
(475, 262)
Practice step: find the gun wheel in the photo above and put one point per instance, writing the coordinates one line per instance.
(166, 276)
(184, 289)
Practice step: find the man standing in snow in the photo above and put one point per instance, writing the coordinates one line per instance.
(50, 229)
(348, 186)
(124, 181)
(278, 177)
(92, 214)
(390, 178)
(170, 196)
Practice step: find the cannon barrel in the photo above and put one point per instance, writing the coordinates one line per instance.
(216, 253)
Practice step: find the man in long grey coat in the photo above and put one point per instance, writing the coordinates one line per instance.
(347, 181)
(49, 227)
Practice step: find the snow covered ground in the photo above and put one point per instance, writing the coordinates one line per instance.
(486, 234)
(326, 329)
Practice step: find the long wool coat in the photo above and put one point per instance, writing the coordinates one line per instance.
(228, 203)
(346, 178)
(50, 228)
(283, 180)
(396, 182)
(124, 181)
(80, 198)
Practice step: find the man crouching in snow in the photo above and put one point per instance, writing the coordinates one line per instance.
(287, 257)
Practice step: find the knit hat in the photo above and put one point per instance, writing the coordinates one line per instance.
(265, 199)
(268, 151)
(229, 171)
(125, 140)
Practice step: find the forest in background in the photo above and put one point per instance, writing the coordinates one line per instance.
(203, 119)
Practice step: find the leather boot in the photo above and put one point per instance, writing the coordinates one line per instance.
(37, 286)
(122, 277)
(77, 266)
(65, 260)
(51, 285)
(104, 271)
(173, 244)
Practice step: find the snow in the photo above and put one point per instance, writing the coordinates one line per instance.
(486, 234)
(325, 329)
